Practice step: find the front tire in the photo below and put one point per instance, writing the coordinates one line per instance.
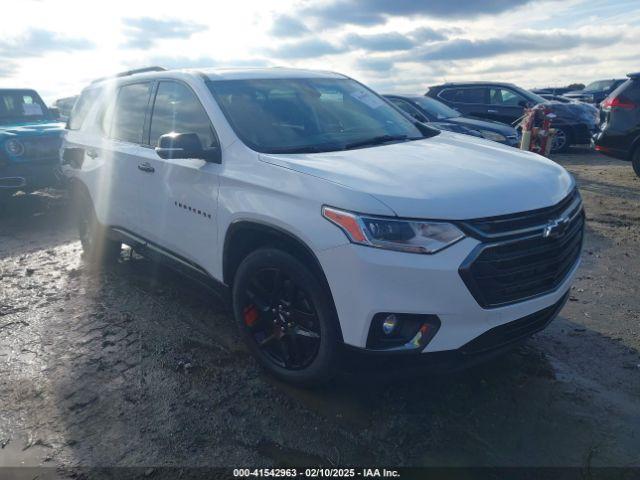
(97, 247)
(286, 317)
(635, 161)
(561, 140)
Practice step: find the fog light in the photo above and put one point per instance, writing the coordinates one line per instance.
(14, 147)
(389, 324)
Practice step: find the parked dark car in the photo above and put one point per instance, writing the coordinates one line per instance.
(30, 137)
(416, 114)
(552, 90)
(557, 98)
(596, 91)
(620, 133)
(575, 123)
(426, 109)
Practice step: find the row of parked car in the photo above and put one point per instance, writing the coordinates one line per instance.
(30, 131)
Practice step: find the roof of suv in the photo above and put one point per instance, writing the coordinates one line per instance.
(224, 73)
(476, 83)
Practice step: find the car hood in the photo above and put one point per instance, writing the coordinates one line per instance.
(30, 129)
(573, 110)
(449, 176)
(476, 124)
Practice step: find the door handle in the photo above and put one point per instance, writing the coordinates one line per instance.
(492, 111)
(146, 167)
(92, 154)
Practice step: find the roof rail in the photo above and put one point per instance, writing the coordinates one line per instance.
(633, 75)
(131, 72)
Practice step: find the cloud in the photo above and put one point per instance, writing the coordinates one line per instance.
(428, 34)
(38, 42)
(538, 63)
(373, 64)
(374, 12)
(144, 32)
(6, 68)
(462, 48)
(198, 62)
(287, 26)
(380, 42)
(304, 49)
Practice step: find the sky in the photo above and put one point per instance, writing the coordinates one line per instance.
(394, 46)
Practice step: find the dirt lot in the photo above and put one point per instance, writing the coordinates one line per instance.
(136, 366)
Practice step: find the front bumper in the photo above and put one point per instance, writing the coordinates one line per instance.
(28, 176)
(365, 281)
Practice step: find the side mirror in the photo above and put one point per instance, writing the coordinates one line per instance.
(186, 145)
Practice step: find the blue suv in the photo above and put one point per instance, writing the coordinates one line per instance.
(30, 137)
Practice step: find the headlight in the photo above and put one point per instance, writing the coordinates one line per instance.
(14, 147)
(496, 137)
(394, 234)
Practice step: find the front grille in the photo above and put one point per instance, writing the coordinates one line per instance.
(41, 149)
(520, 262)
(514, 331)
(520, 223)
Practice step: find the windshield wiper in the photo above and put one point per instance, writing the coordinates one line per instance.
(379, 140)
(324, 147)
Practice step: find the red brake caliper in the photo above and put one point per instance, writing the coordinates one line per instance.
(250, 315)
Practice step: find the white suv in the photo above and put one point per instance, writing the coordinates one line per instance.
(334, 219)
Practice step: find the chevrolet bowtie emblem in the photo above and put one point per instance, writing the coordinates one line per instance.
(555, 228)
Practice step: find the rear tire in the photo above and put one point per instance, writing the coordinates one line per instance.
(97, 247)
(635, 161)
(561, 140)
(286, 318)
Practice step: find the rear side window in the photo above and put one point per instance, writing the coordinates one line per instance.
(129, 112)
(505, 97)
(81, 108)
(177, 109)
(463, 95)
(632, 90)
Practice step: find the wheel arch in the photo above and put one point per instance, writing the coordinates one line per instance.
(245, 236)
(635, 146)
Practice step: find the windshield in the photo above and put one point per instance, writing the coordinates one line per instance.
(599, 86)
(18, 107)
(530, 96)
(435, 108)
(309, 115)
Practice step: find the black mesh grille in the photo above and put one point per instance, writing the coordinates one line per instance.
(528, 264)
(513, 331)
(42, 149)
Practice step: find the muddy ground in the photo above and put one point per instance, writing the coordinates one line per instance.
(135, 366)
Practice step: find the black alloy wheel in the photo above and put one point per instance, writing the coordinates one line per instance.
(285, 317)
(561, 141)
(281, 319)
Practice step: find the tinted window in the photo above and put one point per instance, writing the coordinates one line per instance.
(505, 97)
(128, 116)
(81, 108)
(631, 90)
(463, 95)
(401, 104)
(309, 114)
(178, 110)
(435, 108)
(21, 106)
